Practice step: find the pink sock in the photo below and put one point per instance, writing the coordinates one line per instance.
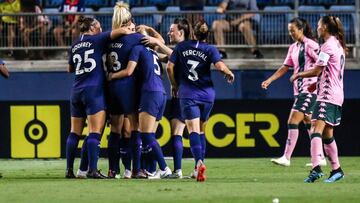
(316, 149)
(322, 153)
(332, 152)
(293, 135)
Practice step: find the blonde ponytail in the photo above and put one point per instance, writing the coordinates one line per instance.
(121, 15)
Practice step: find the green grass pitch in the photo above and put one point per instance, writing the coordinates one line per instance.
(229, 180)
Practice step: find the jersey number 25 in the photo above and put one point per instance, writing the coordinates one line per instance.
(78, 60)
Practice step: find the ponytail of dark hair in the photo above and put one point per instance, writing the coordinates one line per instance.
(335, 28)
(85, 23)
(201, 30)
(183, 24)
(303, 25)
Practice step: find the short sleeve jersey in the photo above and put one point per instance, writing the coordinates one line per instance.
(301, 57)
(86, 57)
(194, 58)
(120, 50)
(330, 82)
(149, 68)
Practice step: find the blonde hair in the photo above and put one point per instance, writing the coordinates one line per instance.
(121, 15)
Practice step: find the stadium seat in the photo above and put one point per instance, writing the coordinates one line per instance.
(273, 27)
(144, 18)
(211, 17)
(156, 2)
(132, 3)
(347, 20)
(314, 17)
(52, 3)
(95, 3)
(105, 19)
(55, 19)
(287, 3)
(346, 2)
(213, 2)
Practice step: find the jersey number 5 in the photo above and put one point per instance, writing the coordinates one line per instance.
(157, 69)
(193, 76)
(78, 60)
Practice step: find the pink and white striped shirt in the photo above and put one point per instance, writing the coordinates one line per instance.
(302, 56)
(330, 82)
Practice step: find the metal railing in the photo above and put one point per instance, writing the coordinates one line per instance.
(48, 31)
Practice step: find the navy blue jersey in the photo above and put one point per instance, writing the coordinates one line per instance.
(149, 68)
(194, 59)
(1, 62)
(86, 57)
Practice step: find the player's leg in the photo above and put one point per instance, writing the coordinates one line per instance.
(116, 123)
(177, 129)
(77, 125)
(125, 148)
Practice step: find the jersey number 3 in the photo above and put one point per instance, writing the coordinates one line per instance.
(193, 76)
(78, 60)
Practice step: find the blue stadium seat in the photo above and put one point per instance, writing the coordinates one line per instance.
(55, 19)
(346, 2)
(96, 3)
(132, 3)
(273, 27)
(321, 2)
(211, 17)
(52, 3)
(156, 2)
(287, 2)
(314, 17)
(105, 20)
(213, 2)
(144, 18)
(347, 20)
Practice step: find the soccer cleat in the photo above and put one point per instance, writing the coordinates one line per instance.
(335, 175)
(194, 174)
(111, 174)
(69, 173)
(139, 175)
(322, 163)
(149, 174)
(81, 174)
(313, 176)
(95, 174)
(201, 168)
(282, 161)
(161, 174)
(176, 175)
(127, 174)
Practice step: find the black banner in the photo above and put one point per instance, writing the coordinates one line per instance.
(236, 128)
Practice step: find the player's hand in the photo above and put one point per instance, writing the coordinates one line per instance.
(149, 41)
(220, 10)
(294, 77)
(265, 84)
(4, 71)
(312, 87)
(230, 77)
(174, 91)
(142, 29)
(110, 76)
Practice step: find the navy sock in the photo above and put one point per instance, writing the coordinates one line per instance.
(93, 147)
(177, 151)
(136, 150)
(113, 146)
(150, 142)
(125, 152)
(195, 146)
(71, 146)
(84, 162)
(203, 146)
(150, 160)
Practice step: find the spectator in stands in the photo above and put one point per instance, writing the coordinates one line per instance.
(3, 71)
(245, 23)
(69, 27)
(193, 5)
(31, 24)
(9, 22)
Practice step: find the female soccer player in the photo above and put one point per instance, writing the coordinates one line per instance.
(3, 70)
(120, 50)
(179, 31)
(196, 91)
(330, 96)
(152, 102)
(301, 56)
(87, 97)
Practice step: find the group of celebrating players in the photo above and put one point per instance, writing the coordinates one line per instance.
(131, 91)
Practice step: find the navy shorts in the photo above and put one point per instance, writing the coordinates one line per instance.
(123, 99)
(153, 103)
(192, 109)
(87, 101)
(175, 109)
